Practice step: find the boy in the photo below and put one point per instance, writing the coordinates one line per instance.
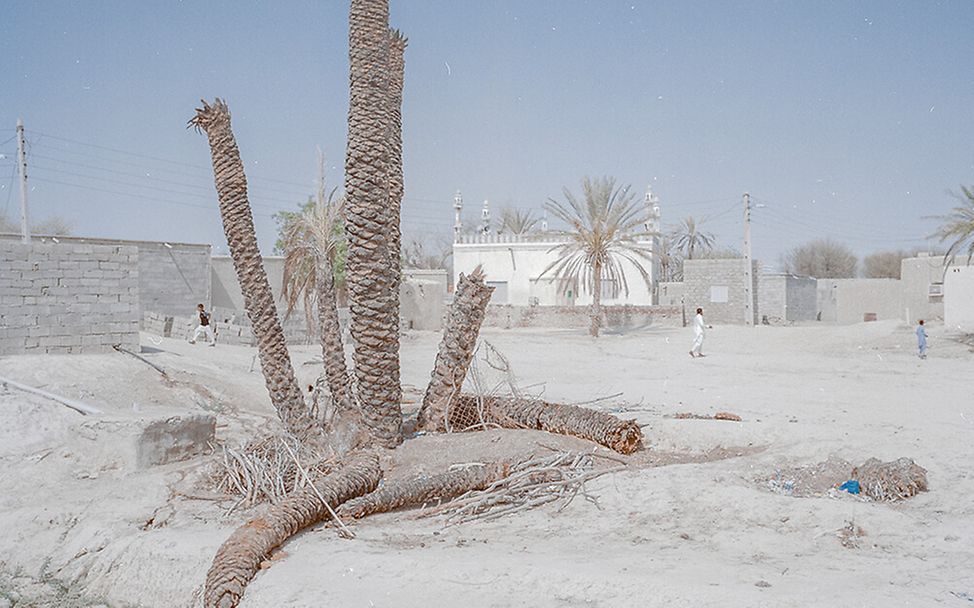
(921, 340)
(204, 327)
(699, 329)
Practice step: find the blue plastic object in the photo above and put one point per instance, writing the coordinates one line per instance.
(851, 486)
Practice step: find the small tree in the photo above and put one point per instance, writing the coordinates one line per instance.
(420, 255)
(689, 239)
(957, 227)
(516, 221)
(605, 226)
(883, 264)
(822, 259)
(54, 225)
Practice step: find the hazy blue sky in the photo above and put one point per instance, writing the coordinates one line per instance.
(845, 119)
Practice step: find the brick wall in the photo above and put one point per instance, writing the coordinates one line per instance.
(717, 286)
(173, 277)
(68, 297)
(786, 298)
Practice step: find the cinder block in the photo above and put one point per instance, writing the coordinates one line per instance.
(174, 439)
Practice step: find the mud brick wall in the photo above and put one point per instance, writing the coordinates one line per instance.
(68, 297)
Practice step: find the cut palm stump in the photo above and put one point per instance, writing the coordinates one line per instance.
(890, 481)
(456, 350)
(239, 558)
(420, 491)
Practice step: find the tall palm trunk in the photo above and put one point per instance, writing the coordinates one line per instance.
(371, 276)
(238, 224)
(397, 68)
(596, 313)
(332, 349)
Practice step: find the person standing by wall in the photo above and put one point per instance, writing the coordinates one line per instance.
(921, 340)
(699, 330)
(204, 328)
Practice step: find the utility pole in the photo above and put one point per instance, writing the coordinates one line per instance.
(22, 166)
(748, 274)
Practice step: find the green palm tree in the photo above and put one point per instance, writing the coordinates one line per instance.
(958, 227)
(606, 226)
(312, 242)
(370, 223)
(516, 221)
(688, 238)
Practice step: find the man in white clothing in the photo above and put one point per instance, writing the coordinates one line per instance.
(699, 329)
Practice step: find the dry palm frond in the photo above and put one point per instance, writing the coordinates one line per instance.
(516, 221)
(559, 478)
(958, 227)
(265, 469)
(890, 481)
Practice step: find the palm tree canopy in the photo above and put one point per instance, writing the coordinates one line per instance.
(605, 228)
(689, 238)
(958, 227)
(311, 240)
(516, 221)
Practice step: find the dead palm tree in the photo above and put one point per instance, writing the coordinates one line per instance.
(688, 238)
(516, 221)
(370, 222)
(311, 242)
(605, 227)
(238, 224)
(958, 227)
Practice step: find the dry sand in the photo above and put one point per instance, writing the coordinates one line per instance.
(716, 513)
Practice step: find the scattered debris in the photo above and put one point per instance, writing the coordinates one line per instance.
(891, 481)
(718, 416)
(850, 535)
(851, 486)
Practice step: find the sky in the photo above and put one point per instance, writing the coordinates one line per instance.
(846, 120)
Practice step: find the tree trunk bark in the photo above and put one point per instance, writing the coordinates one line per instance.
(596, 300)
(372, 278)
(238, 224)
(332, 348)
(397, 68)
(456, 350)
(623, 436)
(418, 491)
(239, 558)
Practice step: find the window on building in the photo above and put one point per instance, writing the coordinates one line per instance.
(609, 290)
(500, 292)
(719, 294)
(936, 292)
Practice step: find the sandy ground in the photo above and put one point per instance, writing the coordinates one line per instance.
(79, 526)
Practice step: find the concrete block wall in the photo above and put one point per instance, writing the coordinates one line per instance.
(705, 281)
(847, 301)
(786, 298)
(173, 277)
(920, 277)
(618, 318)
(67, 297)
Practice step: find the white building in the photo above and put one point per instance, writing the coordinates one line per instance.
(515, 265)
(959, 298)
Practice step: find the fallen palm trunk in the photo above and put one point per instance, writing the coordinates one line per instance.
(456, 352)
(623, 436)
(718, 416)
(239, 558)
(890, 481)
(420, 491)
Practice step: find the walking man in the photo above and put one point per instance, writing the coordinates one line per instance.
(921, 340)
(204, 328)
(699, 329)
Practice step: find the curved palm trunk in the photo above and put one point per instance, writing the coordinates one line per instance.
(425, 489)
(456, 351)
(397, 68)
(371, 277)
(238, 224)
(239, 558)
